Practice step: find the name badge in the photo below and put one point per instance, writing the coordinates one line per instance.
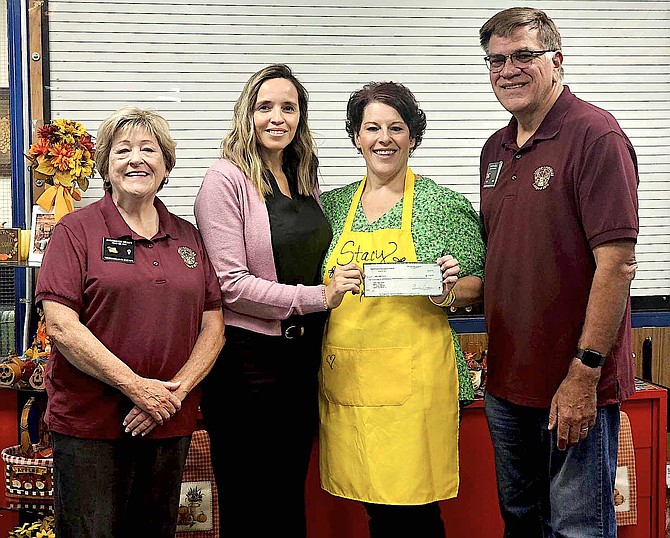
(492, 174)
(402, 279)
(118, 250)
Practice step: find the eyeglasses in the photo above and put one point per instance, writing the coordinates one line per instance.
(520, 59)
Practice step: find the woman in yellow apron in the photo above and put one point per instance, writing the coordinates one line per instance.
(392, 370)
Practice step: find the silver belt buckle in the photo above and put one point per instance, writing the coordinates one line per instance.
(288, 333)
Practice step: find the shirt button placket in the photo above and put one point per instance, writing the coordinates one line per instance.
(517, 156)
(514, 175)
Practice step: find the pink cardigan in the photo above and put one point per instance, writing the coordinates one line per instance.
(234, 224)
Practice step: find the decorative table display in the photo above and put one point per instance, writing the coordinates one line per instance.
(28, 371)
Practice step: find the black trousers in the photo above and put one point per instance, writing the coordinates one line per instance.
(391, 521)
(121, 488)
(261, 410)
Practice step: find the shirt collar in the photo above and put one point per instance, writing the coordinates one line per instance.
(118, 228)
(550, 126)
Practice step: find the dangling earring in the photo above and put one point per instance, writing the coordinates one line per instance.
(165, 180)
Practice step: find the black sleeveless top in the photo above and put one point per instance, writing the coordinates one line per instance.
(300, 236)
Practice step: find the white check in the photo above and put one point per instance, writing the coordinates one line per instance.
(402, 279)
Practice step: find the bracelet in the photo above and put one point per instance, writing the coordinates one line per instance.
(448, 301)
(325, 302)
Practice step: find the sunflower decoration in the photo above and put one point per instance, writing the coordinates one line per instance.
(62, 158)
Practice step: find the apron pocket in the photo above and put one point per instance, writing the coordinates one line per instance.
(367, 377)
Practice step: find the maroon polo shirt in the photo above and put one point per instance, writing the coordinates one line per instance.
(570, 188)
(148, 313)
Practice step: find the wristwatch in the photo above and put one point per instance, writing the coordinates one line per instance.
(590, 358)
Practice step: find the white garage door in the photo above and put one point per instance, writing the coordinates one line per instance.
(189, 59)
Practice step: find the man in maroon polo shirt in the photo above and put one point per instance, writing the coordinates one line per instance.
(559, 209)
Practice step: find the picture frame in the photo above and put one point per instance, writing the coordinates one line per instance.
(9, 245)
(43, 223)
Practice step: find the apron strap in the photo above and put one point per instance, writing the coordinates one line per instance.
(407, 201)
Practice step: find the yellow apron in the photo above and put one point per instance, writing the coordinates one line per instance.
(388, 383)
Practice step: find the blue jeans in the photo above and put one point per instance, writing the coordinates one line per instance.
(545, 492)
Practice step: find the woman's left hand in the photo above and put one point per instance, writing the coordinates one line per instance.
(450, 269)
(207, 347)
(138, 422)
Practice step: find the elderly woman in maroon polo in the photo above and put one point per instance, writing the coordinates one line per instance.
(133, 308)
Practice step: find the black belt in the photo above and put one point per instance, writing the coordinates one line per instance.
(294, 331)
(307, 325)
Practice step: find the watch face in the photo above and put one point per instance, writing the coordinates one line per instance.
(590, 358)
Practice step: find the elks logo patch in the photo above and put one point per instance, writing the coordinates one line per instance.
(542, 176)
(188, 255)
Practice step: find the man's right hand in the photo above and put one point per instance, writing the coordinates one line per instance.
(573, 407)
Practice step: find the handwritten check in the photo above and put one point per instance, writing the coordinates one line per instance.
(402, 279)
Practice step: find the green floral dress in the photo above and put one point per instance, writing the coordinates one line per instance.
(443, 222)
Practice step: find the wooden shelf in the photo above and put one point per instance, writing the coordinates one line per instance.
(28, 506)
(23, 263)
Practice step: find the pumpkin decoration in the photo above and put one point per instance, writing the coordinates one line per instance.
(10, 370)
(27, 369)
(37, 378)
(7, 374)
(183, 510)
(36, 357)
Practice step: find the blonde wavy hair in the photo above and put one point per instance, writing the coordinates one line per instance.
(240, 146)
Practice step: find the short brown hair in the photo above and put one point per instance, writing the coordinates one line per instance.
(126, 119)
(505, 22)
(394, 95)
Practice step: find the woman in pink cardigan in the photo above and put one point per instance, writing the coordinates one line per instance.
(262, 224)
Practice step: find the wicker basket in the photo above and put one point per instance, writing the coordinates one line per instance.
(28, 472)
(27, 478)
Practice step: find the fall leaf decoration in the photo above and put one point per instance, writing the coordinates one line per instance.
(42, 528)
(62, 158)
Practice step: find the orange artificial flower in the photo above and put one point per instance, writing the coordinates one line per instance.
(62, 158)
